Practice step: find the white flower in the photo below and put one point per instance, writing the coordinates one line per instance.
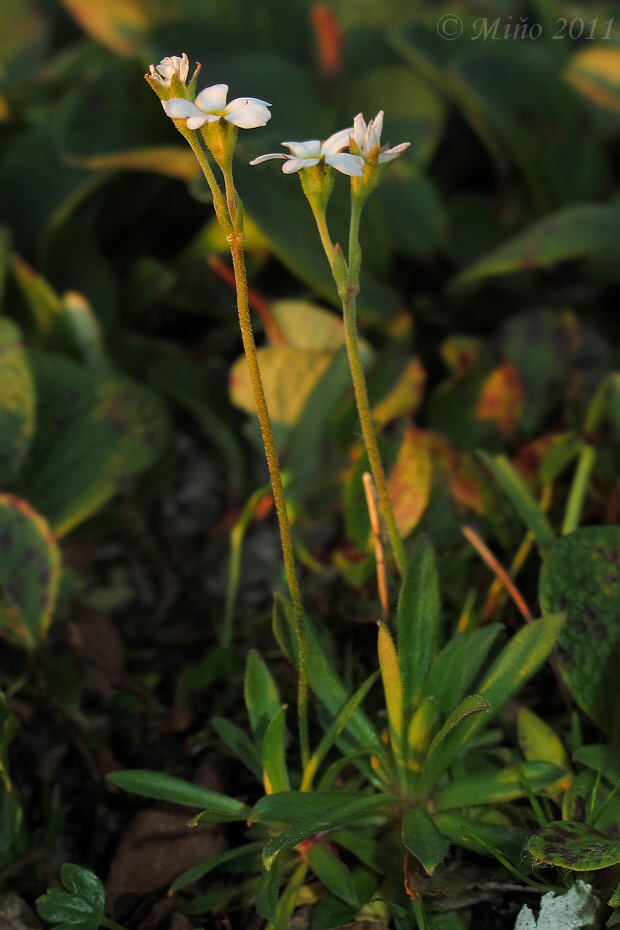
(168, 67)
(368, 137)
(210, 105)
(307, 154)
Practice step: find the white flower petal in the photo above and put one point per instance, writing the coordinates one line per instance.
(262, 158)
(195, 122)
(391, 154)
(375, 127)
(212, 98)
(183, 67)
(352, 165)
(304, 149)
(336, 142)
(296, 164)
(178, 108)
(249, 116)
(359, 131)
(241, 101)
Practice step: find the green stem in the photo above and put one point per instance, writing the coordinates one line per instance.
(348, 297)
(572, 517)
(326, 239)
(219, 203)
(235, 240)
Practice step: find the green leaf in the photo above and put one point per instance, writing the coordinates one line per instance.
(505, 785)
(240, 744)
(422, 838)
(81, 906)
(262, 698)
(568, 234)
(217, 808)
(574, 845)
(345, 813)
(294, 806)
(17, 402)
(335, 729)
(274, 753)
(267, 894)
(324, 681)
(508, 840)
(417, 620)
(474, 704)
(198, 871)
(94, 430)
(332, 872)
(515, 488)
(603, 759)
(30, 567)
(38, 190)
(581, 576)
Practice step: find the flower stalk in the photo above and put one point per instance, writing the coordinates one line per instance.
(218, 122)
(364, 163)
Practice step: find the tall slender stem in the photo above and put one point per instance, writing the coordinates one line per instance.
(235, 240)
(368, 428)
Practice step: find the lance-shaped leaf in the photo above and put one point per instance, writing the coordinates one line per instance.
(422, 838)
(517, 662)
(267, 894)
(324, 680)
(295, 806)
(217, 808)
(474, 704)
(335, 729)
(262, 698)
(417, 620)
(506, 785)
(517, 491)
(345, 813)
(392, 686)
(332, 872)
(274, 754)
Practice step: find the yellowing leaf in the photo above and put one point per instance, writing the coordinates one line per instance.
(596, 73)
(409, 483)
(122, 25)
(405, 396)
(501, 399)
(169, 160)
(306, 326)
(392, 684)
(288, 376)
(539, 742)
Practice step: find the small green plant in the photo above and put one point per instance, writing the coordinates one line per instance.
(80, 906)
(435, 776)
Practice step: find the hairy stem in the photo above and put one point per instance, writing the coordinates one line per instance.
(348, 296)
(235, 240)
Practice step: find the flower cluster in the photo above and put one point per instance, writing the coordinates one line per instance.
(363, 140)
(168, 67)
